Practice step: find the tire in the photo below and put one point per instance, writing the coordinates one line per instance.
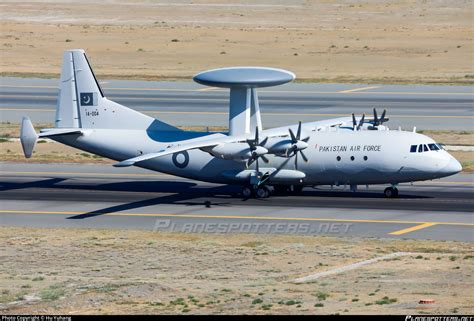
(262, 192)
(247, 192)
(390, 192)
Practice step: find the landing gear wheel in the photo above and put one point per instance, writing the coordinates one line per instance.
(247, 192)
(262, 192)
(391, 192)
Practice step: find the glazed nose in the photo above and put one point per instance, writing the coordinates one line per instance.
(452, 168)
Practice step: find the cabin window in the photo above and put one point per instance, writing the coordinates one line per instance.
(426, 149)
(440, 146)
(366, 158)
(352, 158)
(413, 148)
(420, 148)
(338, 158)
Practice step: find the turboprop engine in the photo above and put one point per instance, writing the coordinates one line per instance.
(290, 147)
(237, 151)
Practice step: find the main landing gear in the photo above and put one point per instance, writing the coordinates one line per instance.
(259, 192)
(391, 192)
(263, 191)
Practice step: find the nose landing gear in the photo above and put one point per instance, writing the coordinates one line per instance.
(391, 192)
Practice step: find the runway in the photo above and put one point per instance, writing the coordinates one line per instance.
(101, 196)
(426, 107)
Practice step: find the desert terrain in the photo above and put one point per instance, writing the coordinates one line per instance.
(77, 271)
(321, 41)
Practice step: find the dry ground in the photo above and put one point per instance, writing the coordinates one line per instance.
(326, 41)
(112, 271)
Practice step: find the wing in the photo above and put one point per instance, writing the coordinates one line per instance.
(172, 150)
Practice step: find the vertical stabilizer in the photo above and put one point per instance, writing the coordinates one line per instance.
(67, 109)
(82, 104)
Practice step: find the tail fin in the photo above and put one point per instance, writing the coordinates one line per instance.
(82, 104)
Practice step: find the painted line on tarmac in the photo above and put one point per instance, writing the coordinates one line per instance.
(208, 89)
(262, 90)
(266, 218)
(357, 89)
(412, 229)
(268, 114)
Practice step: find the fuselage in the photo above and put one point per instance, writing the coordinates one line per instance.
(335, 156)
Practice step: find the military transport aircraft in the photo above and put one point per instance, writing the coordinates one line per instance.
(349, 150)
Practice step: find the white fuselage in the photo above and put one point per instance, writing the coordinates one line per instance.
(335, 156)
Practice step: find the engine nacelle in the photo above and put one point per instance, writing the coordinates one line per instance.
(284, 147)
(235, 151)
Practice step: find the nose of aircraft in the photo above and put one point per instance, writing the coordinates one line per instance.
(453, 167)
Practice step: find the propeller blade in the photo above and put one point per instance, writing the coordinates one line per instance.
(264, 141)
(382, 118)
(249, 162)
(376, 120)
(292, 135)
(304, 156)
(298, 133)
(257, 167)
(264, 159)
(256, 135)
(361, 122)
(296, 161)
(354, 121)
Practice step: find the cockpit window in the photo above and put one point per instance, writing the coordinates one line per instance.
(425, 148)
(433, 147)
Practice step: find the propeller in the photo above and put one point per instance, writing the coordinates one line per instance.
(257, 150)
(358, 126)
(297, 145)
(378, 121)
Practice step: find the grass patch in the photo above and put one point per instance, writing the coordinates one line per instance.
(53, 292)
(321, 296)
(386, 300)
(257, 301)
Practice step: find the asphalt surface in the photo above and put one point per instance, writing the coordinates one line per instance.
(101, 196)
(426, 107)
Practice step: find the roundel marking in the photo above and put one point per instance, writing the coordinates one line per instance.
(181, 159)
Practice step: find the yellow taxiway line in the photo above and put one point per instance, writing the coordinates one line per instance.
(356, 89)
(266, 218)
(413, 228)
(268, 114)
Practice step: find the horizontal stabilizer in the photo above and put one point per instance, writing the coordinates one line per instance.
(28, 137)
(60, 132)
